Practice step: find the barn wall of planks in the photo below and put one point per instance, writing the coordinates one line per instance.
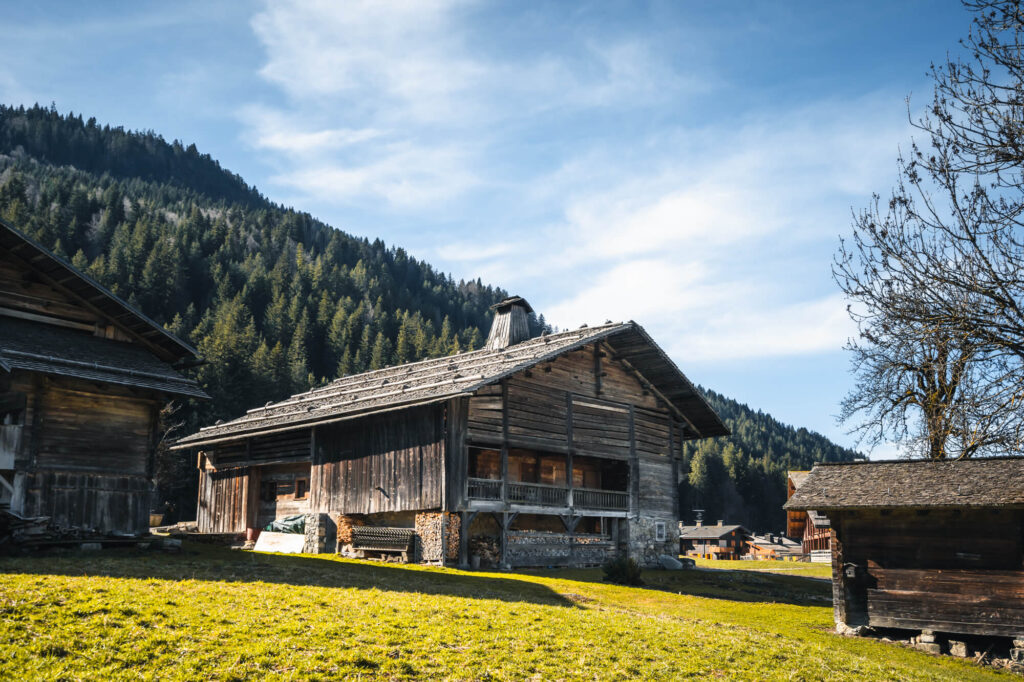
(83, 376)
(954, 571)
(384, 463)
(85, 453)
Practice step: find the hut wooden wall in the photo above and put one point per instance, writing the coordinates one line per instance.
(656, 464)
(941, 570)
(107, 503)
(384, 463)
(86, 453)
(275, 448)
(225, 500)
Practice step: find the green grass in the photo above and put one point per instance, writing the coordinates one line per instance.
(801, 568)
(209, 613)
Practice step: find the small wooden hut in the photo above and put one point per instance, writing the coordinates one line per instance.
(83, 376)
(924, 545)
(559, 449)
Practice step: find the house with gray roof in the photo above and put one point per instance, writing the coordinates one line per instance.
(554, 450)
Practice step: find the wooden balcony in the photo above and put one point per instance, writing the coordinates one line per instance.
(542, 495)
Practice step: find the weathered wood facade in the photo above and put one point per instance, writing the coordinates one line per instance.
(569, 441)
(935, 546)
(82, 379)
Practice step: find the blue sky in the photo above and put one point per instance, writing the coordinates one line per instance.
(689, 165)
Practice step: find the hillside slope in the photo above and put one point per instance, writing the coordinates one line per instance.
(275, 300)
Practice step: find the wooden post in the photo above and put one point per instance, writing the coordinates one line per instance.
(675, 468)
(634, 468)
(466, 521)
(569, 451)
(504, 444)
(597, 370)
(570, 522)
(505, 521)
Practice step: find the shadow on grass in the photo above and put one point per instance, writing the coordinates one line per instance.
(216, 564)
(743, 586)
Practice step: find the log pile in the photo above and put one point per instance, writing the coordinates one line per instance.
(345, 526)
(487, 548)
(429, 531)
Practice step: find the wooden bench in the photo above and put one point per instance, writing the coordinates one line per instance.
(384, 540)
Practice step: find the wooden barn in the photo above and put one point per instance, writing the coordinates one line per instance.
(810, 528)
(924, 545)
(83, 376)
(558, 449)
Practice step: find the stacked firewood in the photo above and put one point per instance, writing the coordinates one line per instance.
(345, 526)
(428, 528)
(487, 548)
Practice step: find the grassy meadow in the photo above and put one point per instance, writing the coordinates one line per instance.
(210, 613)
(801, 568)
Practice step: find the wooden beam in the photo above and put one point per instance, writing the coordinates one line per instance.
(466, 520)
(504, 443)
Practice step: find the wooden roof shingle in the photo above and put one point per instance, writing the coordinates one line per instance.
(44, 348)
(438, 379)
(983, 482)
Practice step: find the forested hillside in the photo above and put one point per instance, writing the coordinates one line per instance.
(742, 478)
(277, 301)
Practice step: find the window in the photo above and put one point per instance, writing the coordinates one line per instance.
(659, 531)
(723, 543)
(301, 488)
(268, 491)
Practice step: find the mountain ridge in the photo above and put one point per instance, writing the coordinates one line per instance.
(278, 301)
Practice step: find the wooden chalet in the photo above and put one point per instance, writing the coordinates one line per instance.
(558, 449)
(924, 545)
(720, 541)
(83, 376)
(811, 528)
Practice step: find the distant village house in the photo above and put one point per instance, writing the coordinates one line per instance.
(811, 528)
(718, 541)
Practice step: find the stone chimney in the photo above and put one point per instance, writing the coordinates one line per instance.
(510, 325)
(699, 523)
(720, 522)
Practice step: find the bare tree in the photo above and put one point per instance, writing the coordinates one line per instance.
(936, 275)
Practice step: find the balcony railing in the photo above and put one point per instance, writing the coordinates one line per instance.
(588, 498)
(484, 489)
(539, 494)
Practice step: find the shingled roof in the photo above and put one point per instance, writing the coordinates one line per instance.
(39, 347)
(986, 482)
(439, 379)
(95, 296)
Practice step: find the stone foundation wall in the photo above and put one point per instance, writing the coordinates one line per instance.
(643, 543)
(321, 534)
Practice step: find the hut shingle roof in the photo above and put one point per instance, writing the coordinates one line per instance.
(39, 347)
(438, 379)
(985, 482)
